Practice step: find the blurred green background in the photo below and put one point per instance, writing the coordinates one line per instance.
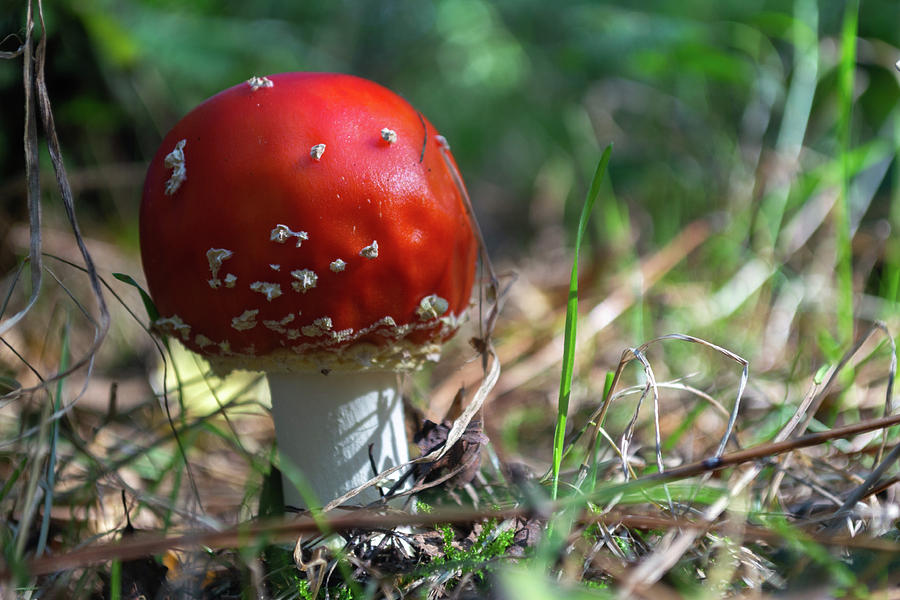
(729, 109)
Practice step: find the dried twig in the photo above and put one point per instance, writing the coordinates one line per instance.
(37, 99)
(32, 172)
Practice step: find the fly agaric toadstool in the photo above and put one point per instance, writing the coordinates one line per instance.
(308, 225)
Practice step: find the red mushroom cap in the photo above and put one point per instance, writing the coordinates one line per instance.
(307, 220)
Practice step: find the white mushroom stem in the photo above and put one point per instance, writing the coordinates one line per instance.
(324, 425)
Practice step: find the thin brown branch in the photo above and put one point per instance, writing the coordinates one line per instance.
(773, 449)
(285, 530)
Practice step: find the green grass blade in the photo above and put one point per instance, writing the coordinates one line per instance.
(50, 477)
(797, 111)
(890, 286)
(145, 297)
(568, 361)
(115, 580)
(591, 481)
(13, 478)
(844, 258)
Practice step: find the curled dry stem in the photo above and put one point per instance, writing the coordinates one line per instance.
(37, 103)
(638, 354)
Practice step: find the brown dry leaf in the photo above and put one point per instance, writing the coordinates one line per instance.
(528, 533)
(464, 456)
(429, 543)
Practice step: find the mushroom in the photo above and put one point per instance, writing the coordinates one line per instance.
(374, 247)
